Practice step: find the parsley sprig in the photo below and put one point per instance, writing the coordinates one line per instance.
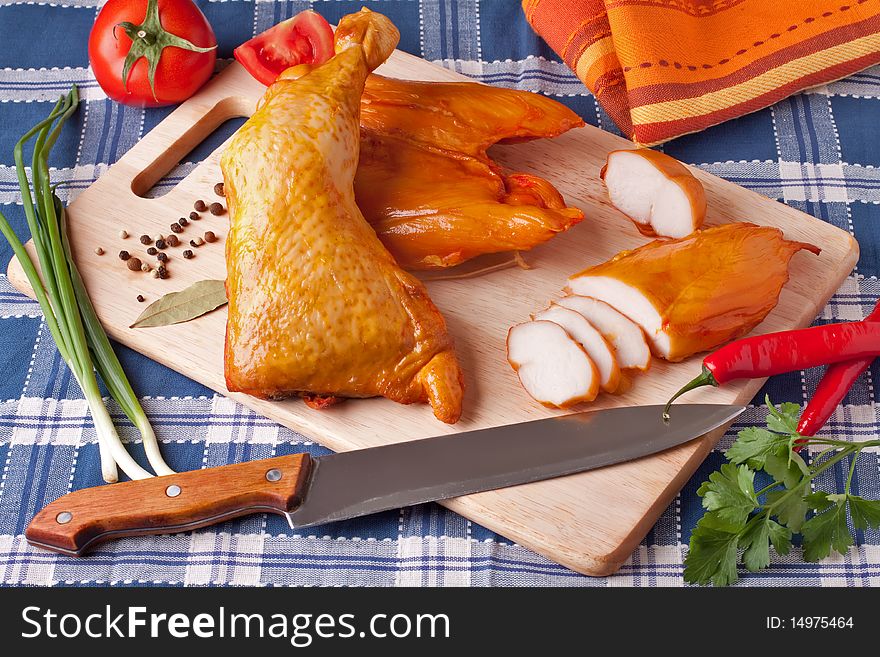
(742, 523)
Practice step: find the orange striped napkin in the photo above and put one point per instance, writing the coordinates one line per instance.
(664, 68)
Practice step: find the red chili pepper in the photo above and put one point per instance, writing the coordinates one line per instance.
(833, 387)
(777, 353)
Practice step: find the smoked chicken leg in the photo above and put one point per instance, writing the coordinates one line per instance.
(317, 306)
(426, 184)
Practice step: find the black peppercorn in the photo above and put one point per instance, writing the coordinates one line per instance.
(217, 209)
(146, 239)
(200, 206)
(183, 221)
(163, 272)
(140, 298)
(152, 251)
(187, 254)
(162, 257)
(124, 255)
(195, 216)
(161, 244)
(176, 228)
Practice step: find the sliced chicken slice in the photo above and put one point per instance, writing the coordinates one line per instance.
(656, 191)
(551, 366)
(693, 294)
(599, 351)
(626, 337)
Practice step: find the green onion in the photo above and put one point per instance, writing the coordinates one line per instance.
(68, 311)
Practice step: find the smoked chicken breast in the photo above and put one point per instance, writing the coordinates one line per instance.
(317, 306)
(426, 184)
(698, 292)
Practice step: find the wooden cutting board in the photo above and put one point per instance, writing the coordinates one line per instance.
(589, 522)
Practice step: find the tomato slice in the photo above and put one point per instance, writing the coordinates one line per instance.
(304, 39)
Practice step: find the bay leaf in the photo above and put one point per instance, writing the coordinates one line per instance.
(175, 307)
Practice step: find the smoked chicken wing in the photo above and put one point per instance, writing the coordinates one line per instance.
(317, 306)
(428, 187)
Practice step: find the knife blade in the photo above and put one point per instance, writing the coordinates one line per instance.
(310, 491)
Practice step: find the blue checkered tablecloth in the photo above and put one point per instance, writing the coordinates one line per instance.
(818, 152)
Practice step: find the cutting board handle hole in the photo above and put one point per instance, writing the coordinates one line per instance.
(185, 148)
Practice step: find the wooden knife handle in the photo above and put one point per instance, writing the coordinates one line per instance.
(173, 503)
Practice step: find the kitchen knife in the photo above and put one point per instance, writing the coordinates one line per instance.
(310, 491)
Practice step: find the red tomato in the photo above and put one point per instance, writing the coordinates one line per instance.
(173, 32)
(304, 39)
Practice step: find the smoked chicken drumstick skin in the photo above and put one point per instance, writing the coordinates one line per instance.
(316, 304)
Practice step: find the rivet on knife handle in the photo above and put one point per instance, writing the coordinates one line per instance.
(173, 503)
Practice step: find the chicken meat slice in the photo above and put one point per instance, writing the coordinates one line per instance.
(317, 306)
(627, 337)
(657, 192)
(590, 340)
(552, 367)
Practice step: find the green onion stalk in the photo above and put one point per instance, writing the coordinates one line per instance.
(67, 309)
